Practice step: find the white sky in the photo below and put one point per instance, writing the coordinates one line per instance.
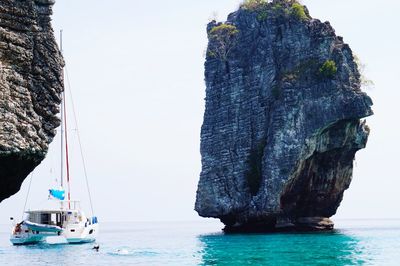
(136, 69)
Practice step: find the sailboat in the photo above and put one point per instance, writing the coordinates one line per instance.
(67, 220)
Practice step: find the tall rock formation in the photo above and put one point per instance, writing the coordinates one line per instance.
(30, 89)
(282, 119)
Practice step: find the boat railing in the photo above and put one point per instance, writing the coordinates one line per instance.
(72, 204)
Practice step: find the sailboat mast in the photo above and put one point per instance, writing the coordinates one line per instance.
(64, 136)
(66, 152)
(62, 126)
(62, 146)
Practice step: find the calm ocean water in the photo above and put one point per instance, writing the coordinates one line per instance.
(361, 242)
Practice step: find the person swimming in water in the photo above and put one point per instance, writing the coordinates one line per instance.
(96, 247)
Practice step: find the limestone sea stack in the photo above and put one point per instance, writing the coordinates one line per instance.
(283, 119)
(30, 89)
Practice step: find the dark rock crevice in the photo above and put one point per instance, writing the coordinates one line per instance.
(254, 173)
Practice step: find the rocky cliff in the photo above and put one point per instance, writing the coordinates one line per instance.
(30, 88)
(282, 119)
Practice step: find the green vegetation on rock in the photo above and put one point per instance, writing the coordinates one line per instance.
(253, 4)
(278, 9)
(365, 82)
(262, 15)
(298, 11)
(260, 6)
(328, 69)
(224, 38)
(285, 8)
(223, 29)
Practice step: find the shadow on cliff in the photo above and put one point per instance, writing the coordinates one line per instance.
(322, 248)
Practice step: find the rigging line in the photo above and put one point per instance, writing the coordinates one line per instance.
(27, 195)
(79, 140)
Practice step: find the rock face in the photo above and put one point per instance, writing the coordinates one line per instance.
(282, 119)
(30, 89)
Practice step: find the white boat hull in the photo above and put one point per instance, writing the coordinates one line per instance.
(26, 240)
(85, 235)
(65, 237)
(73, 231)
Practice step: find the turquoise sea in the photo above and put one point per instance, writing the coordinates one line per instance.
(354, 242)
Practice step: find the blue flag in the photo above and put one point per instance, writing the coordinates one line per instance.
(57, 193)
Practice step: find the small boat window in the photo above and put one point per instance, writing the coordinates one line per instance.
(45, 218)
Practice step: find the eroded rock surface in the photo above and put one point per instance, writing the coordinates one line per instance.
(282, 122)
(30, 89)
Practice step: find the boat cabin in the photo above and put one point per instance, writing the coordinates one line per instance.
(46, 217)
(56, 217)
